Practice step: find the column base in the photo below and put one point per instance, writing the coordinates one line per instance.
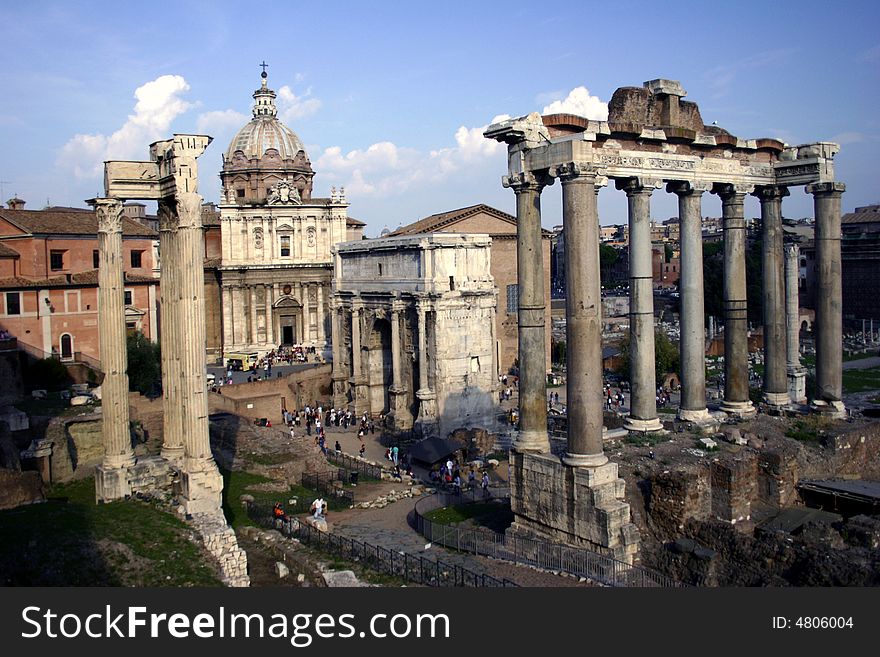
(830, 409)
(400, 418)
(361, 396)
(777, 399)
(426, 422)
(532, 442)
(797, 385)
(172, 454)
(642, 426)
(201, 489)
(111, 483)
(340, 392)
(701, 416)
(584, 460)
(741, 410)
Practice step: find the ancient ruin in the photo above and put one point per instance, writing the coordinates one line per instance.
(652, 138)
(171, 178)
(411, 334)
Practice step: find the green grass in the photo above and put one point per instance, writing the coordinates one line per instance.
(871, 353)
(861, 380)
(809, 429)
(488, 514)
(57, 543)
(235, 484)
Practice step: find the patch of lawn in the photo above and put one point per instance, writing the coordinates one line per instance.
(71, 541)
(808, 429)
(488, 514)
(861, 380)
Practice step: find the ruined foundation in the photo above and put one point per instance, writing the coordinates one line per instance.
(574, 505)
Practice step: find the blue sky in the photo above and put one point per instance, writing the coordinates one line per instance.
(390, 98)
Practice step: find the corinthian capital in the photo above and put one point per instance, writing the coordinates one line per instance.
(823, 188)
(770, 192)
(167, 215)
(189, 209)
(638, 185)
(527, 181)
(732, 192)
(572, 170)
(109, 214)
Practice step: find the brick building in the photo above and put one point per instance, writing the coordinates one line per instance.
(501, 227)
(49, 280)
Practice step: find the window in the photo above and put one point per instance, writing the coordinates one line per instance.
(96, 260)
(380, 269)
(56, 260)
(512, 298)
(13, 303)
(452, 282)
(128, 296)
(239, 193)
(285, 246)
(136, 259)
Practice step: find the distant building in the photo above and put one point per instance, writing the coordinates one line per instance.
(501, 227)
(49, 280)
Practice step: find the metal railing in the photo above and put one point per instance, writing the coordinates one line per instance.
(323, 482)
(579, 562)
(411, 568)
(354, 464)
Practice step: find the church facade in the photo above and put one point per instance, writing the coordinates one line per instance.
(275, 238)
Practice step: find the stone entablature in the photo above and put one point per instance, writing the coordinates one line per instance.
(414, 331)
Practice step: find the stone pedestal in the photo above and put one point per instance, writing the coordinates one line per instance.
(574, 505)
(111, 483)
(340, 392)
(642, 426)
(426, 422)
(400, 418)
(200, 491)
(797, 385)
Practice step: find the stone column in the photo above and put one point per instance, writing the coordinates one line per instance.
(172, 411)
(227, 319)
(339, 377)
(253, 313)
(426, 422)
(533, 436)
(583, 315)
(359, 380)
(400, 415)
(797, 389)
(829, 314)
(736, 348)
(775, 379)
(111, 479)
(322, 340)
(270, 325)
(642, 377)
(692, 342)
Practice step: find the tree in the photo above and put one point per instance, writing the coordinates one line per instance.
(144, 364)
(713, 280)
(666, 358)
(557, 352)
(608, 257)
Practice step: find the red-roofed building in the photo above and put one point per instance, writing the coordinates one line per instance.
(49, 280)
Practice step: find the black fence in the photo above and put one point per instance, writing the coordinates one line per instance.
(415, 569)
(579, 562)
(324, 483)
(352, 464)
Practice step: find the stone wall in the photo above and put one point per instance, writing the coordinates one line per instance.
(17, 488)
(220, 541)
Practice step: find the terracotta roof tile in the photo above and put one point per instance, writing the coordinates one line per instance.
(7, 252)
(68, 222)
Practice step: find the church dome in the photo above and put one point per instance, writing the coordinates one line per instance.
(265, 131)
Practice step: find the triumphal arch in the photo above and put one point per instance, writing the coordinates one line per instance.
(652, 140)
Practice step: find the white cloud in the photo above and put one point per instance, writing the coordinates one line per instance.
(292, 107)
(579, 102)
(848, 138)
(158, 104)
(220, 122)
(385, 169)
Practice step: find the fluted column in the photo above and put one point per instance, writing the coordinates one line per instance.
(533, 436)
(829, 312)
(775, 377)
(395, 349)
(426, 422)
(270, 320)
(253, 314)
(736, 346)
(692, 341)
(642, 376)
(118, 453)
(339, 376)
(796, 372)
(172, 412)
(321, 337)
(356, 342)
(227, 319)
(583, 316)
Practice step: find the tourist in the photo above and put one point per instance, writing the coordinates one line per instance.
(456, 484)
(362, 450)
(485, 484)
(395, 454)
(318, 508)
(472, 479)
(338, 448)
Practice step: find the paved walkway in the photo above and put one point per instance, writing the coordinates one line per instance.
(862, 363)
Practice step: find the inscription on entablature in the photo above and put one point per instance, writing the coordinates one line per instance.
(667, 164)
(797, 170)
